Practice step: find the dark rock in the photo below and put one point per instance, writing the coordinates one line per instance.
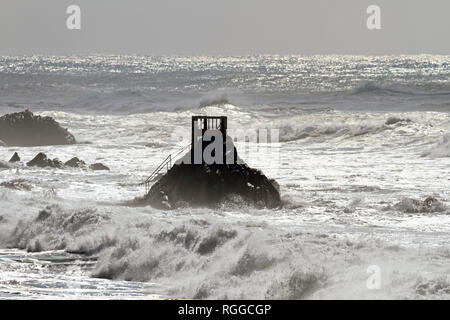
(98, 166)
(394, 120)
(41, 160)
(429, 205)
(210, 185)
(15, 157)
(25, 129)
(275, 184)
(75, 163)
(44, 214)
(16, 184)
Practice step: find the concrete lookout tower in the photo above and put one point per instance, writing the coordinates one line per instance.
(205, 130)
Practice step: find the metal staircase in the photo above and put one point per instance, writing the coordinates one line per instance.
(166, 164)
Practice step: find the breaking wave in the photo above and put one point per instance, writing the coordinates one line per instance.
(205, 255)
(440, 150)
(329, 130)
(128, 101)
(374, 87)
(213, 99)
(201, 258)
(393, 89)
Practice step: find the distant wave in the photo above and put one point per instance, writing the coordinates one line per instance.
(439, 150)
(395, 89)
(128, 101)
(108, 84)
(223, 96)
(329, 130)
(221, 99)
(379, 88)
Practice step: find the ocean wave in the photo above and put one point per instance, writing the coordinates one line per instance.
(439, 150)
(135, 84)
(394, 89)
(329, 130)
(202, 256)
(374, 87)
(49, 229)
(132, 101)
(214, 99)
(298, 284)
(205, 258)
(125, 101)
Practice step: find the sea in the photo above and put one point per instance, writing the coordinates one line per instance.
(360, 149)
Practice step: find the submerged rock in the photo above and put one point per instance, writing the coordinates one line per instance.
(429, 205)
(75, 163)
(15, 157)
(210, 185)
(16, 184)
(98, 167)
(394, 120)
(41, 160)
(25, 129)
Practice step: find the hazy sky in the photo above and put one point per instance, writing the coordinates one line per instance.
(224, 27)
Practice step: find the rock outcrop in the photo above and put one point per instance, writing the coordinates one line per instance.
(396, 120)
(41, 160)
(210, 185)
(98, 167)
(15, 157)
(75, 163)
(26, 130)
(16, 184)
(429, 205)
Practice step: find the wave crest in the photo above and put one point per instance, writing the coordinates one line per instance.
(440, 150)
(330, 130)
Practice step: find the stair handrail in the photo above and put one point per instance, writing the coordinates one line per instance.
(166, 163)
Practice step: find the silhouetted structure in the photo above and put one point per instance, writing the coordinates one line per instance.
(200, 126)
(204, 178)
